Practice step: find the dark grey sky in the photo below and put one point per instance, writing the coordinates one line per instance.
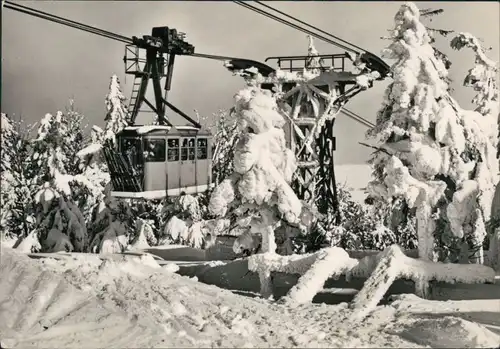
(44, 64)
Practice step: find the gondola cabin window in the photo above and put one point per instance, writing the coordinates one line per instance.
(154, 150)
(202, 150)
(131, 149)
(188, 149)
(173, 149)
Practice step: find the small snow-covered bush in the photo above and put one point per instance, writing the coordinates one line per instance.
(372, 226)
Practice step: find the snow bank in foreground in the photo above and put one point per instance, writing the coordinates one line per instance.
(449, 332)
(40, 309)
(167, 310)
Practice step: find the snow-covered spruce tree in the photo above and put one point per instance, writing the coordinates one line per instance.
(117, 114)
(263, 167)
(17, 205)
(225, 138)
(75, 130)
(113, 222)
(88, 195)
(10, 178)
(95, 170)
(9, 139)
(60, 223)
(483, 79)
(434, 154)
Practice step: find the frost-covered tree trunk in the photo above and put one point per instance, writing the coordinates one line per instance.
(435, 155)
(425, 236)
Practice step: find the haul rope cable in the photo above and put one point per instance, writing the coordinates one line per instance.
(290, 24)
(90, 29)
(309, 25)
(349, 113)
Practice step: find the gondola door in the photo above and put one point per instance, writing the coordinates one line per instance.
(188, 165)
(173, 167)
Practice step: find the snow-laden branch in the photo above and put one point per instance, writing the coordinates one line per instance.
(393, 264)
(381, 269)
(483, 77)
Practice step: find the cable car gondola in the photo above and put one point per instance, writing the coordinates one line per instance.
(155, 161)
(162, 160)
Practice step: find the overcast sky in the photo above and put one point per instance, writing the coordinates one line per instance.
(45, 64)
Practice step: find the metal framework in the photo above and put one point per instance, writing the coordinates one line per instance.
(311, 106)
(161, 47)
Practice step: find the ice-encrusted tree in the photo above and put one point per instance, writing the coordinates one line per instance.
(9, 138)
(225, 138)
(113, 224)
(263, 167)
(74, 140)
(434, 154)
(116, 117)
(483, 79)
(9, 172)
(60, 224)
(17, 216)
(95, 170)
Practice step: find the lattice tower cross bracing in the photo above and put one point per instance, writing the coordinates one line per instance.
(310, 102)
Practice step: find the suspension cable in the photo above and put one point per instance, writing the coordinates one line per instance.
(107, 34)
(358, 118)
(292, 25)
(60, 20)
(309, 25)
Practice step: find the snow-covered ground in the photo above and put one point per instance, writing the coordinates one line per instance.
(83, 301)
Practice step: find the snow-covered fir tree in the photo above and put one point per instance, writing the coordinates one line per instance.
(258, 191)
(75, 138)
(95, 170)
(60, 223)
(483, 79)
(225, 137)
(17, 215)
(111, 224)
(434, 154)
(9, 138)
(117, 114)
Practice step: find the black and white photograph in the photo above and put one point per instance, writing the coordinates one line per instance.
(249, 174)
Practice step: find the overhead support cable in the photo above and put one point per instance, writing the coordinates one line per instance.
(67, 22)
(310, 26)
(292, 25)
(117, 37)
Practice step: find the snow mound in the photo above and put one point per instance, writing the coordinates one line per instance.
(40, 309)
(449, 332)
(191, 314)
